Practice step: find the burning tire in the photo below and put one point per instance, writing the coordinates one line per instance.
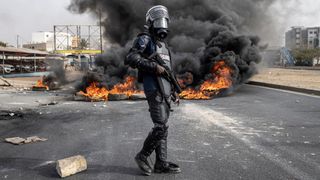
(137, 97)
(117, 97)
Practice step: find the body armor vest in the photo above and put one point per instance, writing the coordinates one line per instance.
(163, 52)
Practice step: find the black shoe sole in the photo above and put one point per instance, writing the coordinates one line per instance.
(177, 171)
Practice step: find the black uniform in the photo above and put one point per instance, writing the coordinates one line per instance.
(158, 92)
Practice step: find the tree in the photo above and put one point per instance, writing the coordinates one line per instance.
(3, 44)
(306, 56)
(83, 44)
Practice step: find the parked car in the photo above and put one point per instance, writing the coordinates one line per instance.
(27, 68)
(7, 68)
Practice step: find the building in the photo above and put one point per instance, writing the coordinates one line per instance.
(37, 46)
(301, 37)
(44, 41)
(313, 37)
(42, 37)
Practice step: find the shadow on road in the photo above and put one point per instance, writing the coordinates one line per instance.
(47, 168)
(42, 167)
(98, 169)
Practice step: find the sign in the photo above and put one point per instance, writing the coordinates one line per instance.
(78, 51)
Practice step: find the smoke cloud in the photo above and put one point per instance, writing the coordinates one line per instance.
(57, 77)
(201, 33)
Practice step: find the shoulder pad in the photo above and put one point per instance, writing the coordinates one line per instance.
(141, 42)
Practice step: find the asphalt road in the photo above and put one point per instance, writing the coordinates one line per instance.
(257, 133)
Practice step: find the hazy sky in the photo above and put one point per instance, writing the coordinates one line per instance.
(26, 16)
(288, 13)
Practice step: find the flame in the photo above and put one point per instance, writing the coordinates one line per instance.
(127, 88)
(207, 90)
(96, 93)
(211, 87)
(40, 84)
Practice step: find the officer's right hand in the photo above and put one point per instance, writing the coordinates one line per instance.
(160, 69)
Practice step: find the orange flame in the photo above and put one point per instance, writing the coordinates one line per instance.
(127, 88)
(95, 93)
(211, 87)
(40, 84)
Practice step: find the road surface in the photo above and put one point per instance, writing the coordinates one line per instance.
(257, 133)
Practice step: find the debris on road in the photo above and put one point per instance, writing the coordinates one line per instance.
(70, 166)
(52, 103)
(28, 140)
(7, 83)
(7, 115)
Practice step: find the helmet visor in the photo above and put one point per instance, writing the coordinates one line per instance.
(161, 23)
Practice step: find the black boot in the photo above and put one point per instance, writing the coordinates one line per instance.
(143, 164)
(149, 146)
(162, 165)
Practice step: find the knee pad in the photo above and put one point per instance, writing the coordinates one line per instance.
(159, 113)
(160, 131)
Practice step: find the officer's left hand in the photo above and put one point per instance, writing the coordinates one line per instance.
(176, 99)
(160, 70)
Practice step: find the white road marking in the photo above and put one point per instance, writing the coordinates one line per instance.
(228, 124)
(17, 103)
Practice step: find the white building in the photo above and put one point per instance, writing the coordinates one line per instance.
(313, 37)
(45, 41)
(42, 37)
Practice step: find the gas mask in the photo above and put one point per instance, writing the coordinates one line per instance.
(157, 18)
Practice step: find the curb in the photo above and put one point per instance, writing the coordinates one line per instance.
(299, 68)
(289, 88)
(34, 74)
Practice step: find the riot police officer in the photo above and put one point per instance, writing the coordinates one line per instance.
(159, 91)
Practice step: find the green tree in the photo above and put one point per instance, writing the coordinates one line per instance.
(83, 44)
(3, 44)
(306, 56)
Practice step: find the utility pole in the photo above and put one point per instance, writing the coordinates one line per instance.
(54, 39)
(18, 41)
(3, 57)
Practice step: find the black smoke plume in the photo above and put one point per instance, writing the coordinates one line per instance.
(201, 31)
(57, 76)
